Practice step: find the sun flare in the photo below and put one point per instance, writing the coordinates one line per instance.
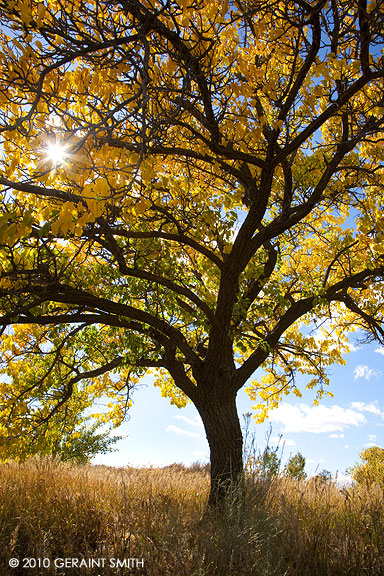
(56, 153)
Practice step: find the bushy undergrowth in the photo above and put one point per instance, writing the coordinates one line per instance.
(50, 509)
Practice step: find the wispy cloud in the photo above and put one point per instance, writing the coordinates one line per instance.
(177, 430)
(380, 350)
(282, 441)
(371, 407)
(363, 371)
(196, 421)
(353, 347)
(315, 419)
(336, 435)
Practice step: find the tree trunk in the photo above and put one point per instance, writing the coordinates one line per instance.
(224, 435)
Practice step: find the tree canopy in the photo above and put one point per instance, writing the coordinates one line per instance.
(295, 467)
(187, 187)
(370, 469)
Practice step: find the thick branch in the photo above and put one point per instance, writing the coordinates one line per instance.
(309, 60)
(42, 191)
(75, 296)
(372, 323)
(296, 143)
(257, 285)
(69, 388)
(296, 311)
(182, 238)
(114, 248)
(74, 318)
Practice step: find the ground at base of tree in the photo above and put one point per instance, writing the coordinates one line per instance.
(50, 509)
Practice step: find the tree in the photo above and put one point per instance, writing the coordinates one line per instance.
(371, 467)
(295, 467)
(268, 464)
(84, 443)
(191, 188)
(76, 440)
(68, 434)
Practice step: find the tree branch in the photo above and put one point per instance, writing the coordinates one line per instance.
(296, 311)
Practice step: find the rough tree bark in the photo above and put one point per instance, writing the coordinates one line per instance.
(225, 439)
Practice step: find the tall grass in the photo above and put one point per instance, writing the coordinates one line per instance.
(50, 509)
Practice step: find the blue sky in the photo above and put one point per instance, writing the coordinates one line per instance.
(330, 436)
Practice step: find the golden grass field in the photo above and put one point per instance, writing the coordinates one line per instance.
(50, 509)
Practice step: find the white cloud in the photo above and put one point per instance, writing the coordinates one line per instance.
(372, 437)
(380, 350)
(316, 419)
(352, 347)
(366, 372)
(369, 445)
(372, 408)
(282, 441)
(196, 421)
(177, 430)
(346, 446)
(336, 435)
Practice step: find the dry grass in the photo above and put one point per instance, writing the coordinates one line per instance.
(49, 509)
(330, 530)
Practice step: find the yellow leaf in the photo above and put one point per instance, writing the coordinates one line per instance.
(41, 9)
(141, 207)
(95, 207)
(101, 187)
